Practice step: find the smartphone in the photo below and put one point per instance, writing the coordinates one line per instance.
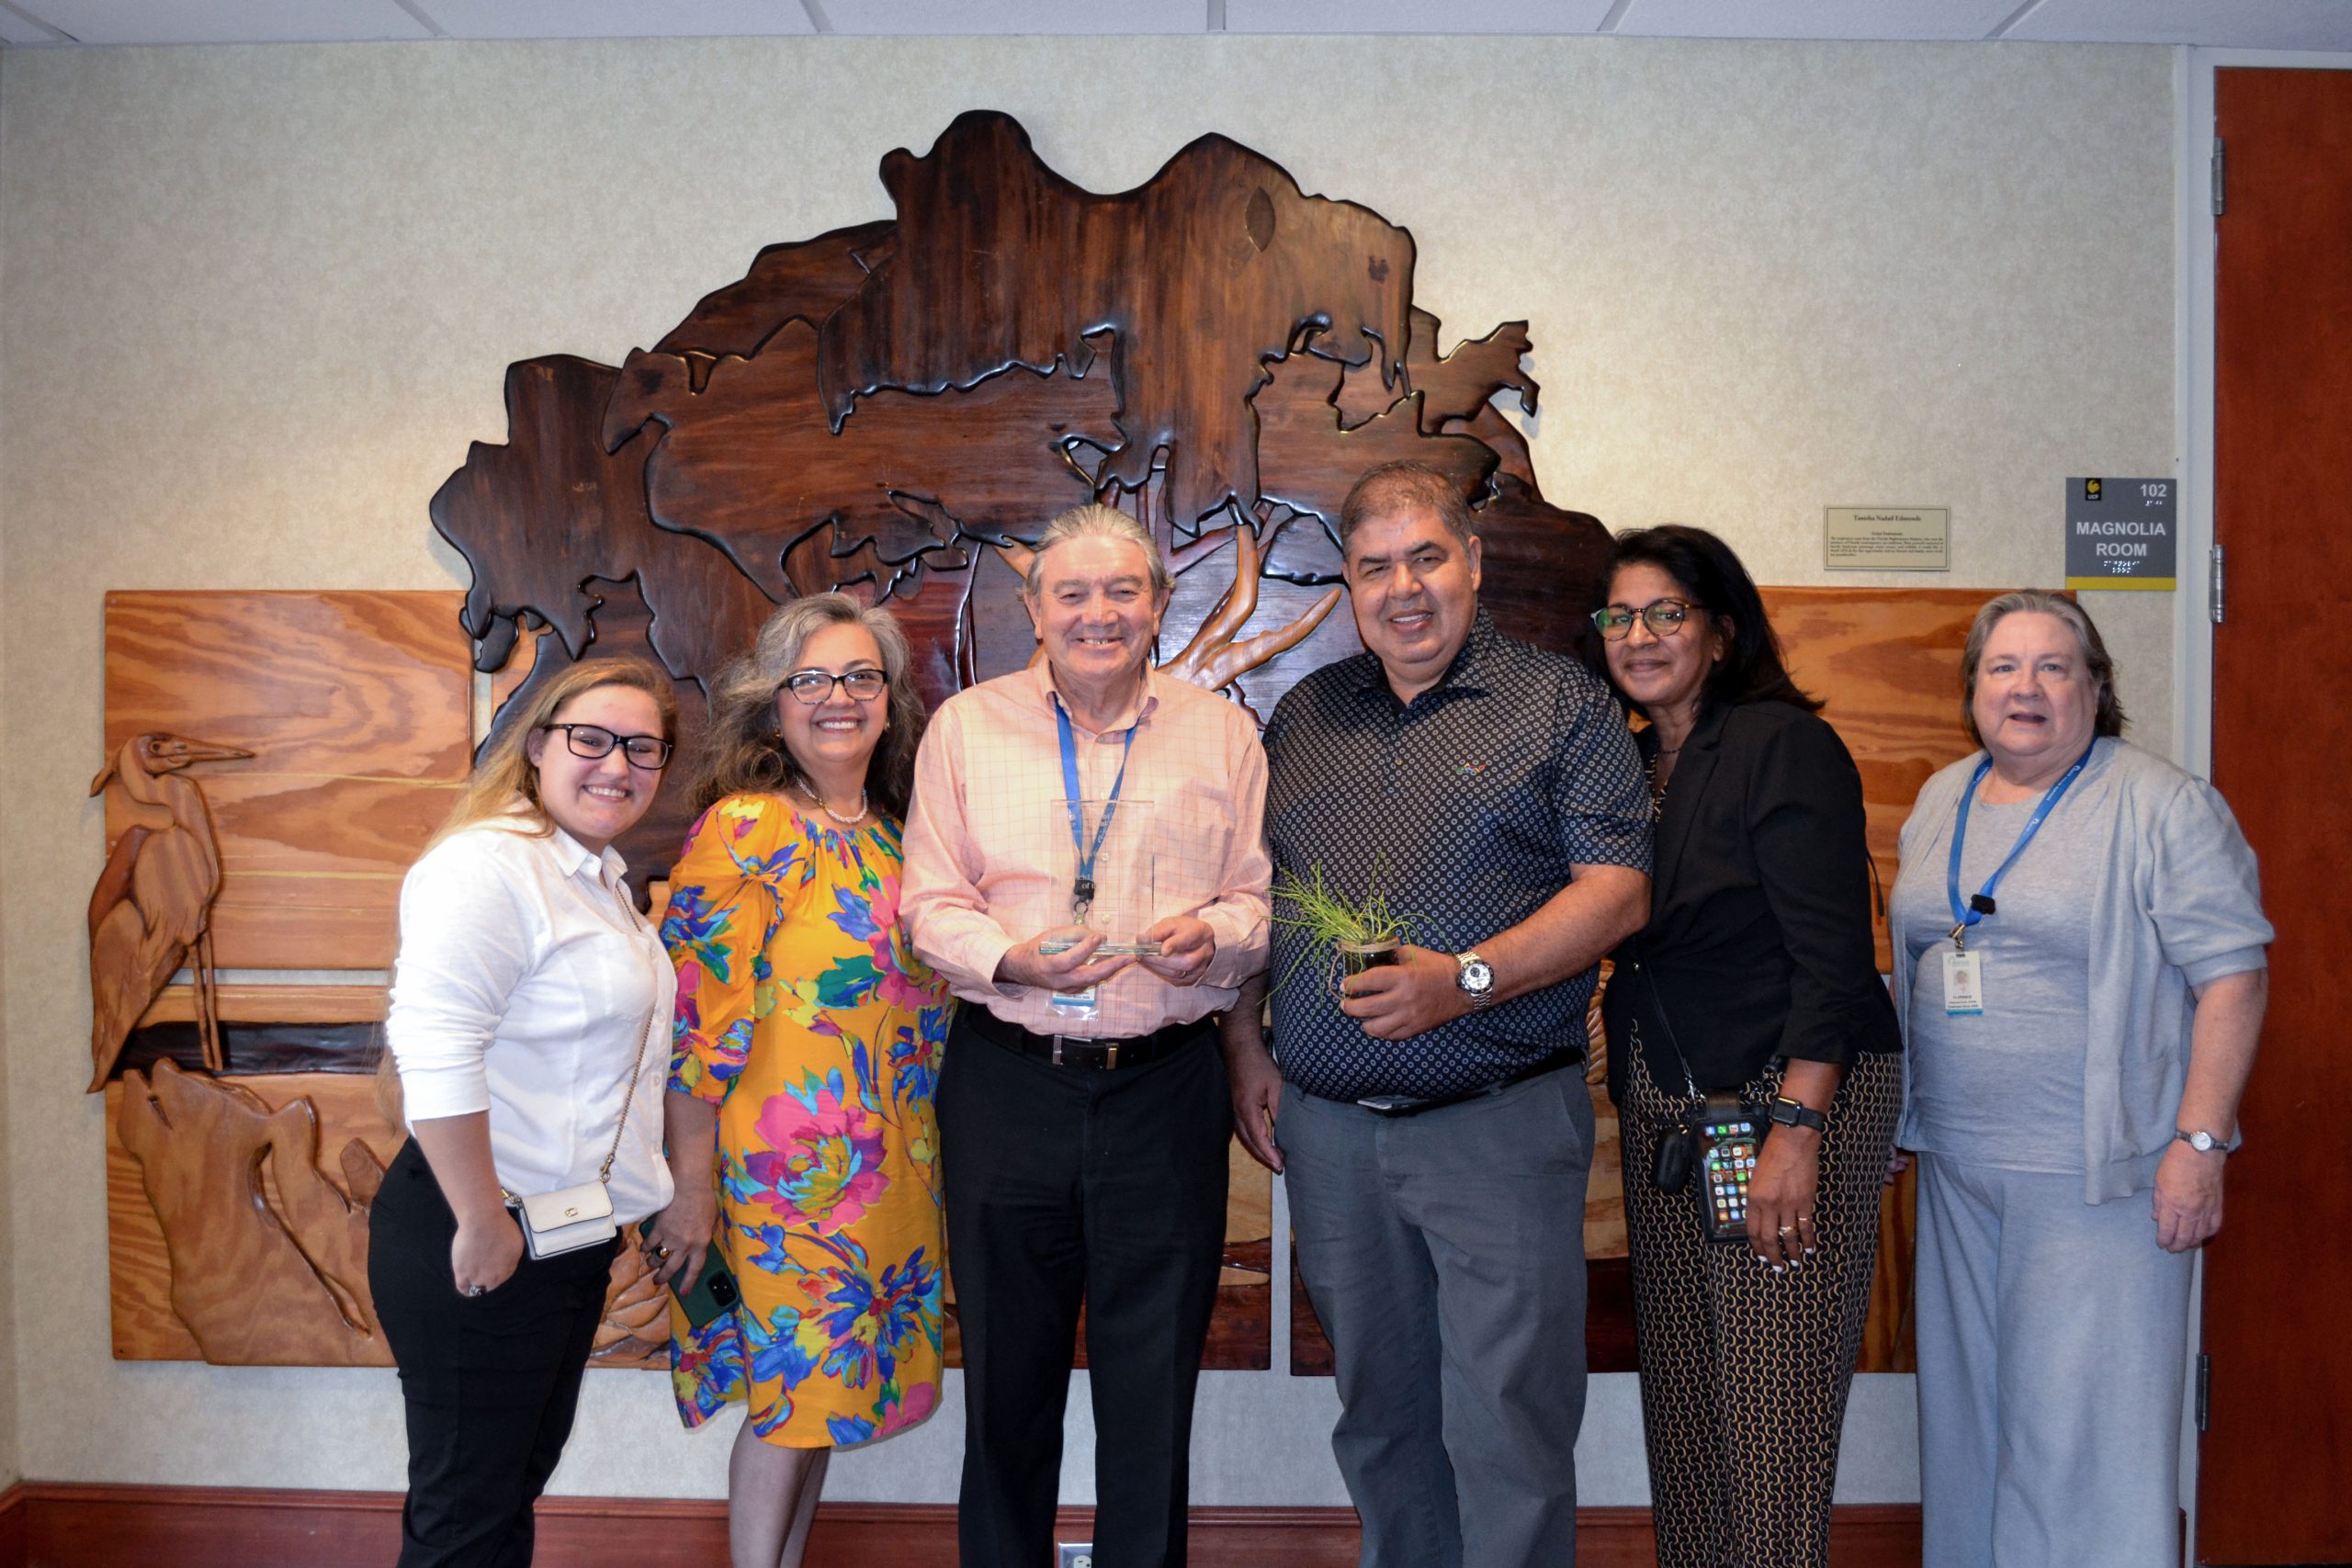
(709, 1296)
(1728, 1140)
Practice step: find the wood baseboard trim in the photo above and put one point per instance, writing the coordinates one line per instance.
(70, 1525)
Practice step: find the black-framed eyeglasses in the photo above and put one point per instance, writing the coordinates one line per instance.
(1663, 616)
(649, 752)
(815, 686)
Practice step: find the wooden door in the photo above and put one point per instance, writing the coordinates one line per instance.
(2275, 1464)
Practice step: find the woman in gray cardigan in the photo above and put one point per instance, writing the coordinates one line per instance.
(2078, 959)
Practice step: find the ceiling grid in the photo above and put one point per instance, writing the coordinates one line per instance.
(2316, 25)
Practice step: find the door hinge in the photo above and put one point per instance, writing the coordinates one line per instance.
(2204, 1387)
(2215, 587)
(2221, 177)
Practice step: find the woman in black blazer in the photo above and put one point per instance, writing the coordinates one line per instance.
(1756, 976)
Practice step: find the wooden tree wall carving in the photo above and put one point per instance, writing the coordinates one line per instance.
(1215, 351)
(892, 408)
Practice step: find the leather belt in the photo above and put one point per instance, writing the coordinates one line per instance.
(1085, 1050)
(1567, 1056)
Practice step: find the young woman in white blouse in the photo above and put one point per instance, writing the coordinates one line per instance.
(530, 1024)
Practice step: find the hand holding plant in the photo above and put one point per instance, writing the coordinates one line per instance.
(1353, 935)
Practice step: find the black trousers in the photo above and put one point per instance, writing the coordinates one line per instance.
(1067, 1184)
(490, 1383)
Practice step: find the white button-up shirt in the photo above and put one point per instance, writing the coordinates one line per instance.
(523, 988)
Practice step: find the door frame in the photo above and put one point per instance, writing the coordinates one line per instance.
(2196, 270)
(2195, 391)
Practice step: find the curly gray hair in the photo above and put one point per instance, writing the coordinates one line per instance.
(746, 753)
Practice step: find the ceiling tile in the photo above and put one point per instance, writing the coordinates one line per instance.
(17, 28)
(1414, 15)
(932, 18)
(2229, 24)
(617, 18)
(1920, 19)
(225, 21)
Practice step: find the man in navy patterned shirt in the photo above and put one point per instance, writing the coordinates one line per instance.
(1432, 1126)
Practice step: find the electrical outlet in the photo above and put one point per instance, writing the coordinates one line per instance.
(1077, 1554)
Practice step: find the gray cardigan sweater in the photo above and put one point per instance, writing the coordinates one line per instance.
(2180, 905)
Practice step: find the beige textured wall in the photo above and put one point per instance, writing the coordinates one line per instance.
(253, 303)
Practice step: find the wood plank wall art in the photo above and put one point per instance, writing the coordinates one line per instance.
(891, 409)
(237, 1186)
(883, 408)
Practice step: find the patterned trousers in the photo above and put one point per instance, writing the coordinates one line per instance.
(1744, 1371)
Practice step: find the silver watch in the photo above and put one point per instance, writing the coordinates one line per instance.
(1475, 978)
(2204, 1143)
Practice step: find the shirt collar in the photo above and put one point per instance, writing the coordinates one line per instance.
(1471, 671)
(577, 859)
(1041, 690)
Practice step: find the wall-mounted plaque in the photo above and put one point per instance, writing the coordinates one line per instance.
(1886, 538)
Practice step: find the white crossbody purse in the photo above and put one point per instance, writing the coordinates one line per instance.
(572, 1217)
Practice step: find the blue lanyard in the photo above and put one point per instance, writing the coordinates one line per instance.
(1081, 887)
(1981, 903)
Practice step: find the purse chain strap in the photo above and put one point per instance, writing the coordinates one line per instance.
(636, 1068)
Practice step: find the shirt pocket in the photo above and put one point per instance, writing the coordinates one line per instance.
(1192, 843)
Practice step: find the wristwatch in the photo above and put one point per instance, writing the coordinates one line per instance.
(1797, 1114)
(1476, 979)
(2204, 1143)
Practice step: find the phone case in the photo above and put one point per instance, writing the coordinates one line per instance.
(1728, 1137)
(710, 1296)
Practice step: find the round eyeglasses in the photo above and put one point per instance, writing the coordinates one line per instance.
(649, 752)
(1663, 616)
(815, 686)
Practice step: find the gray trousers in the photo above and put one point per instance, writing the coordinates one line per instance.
(2053, 1341)
(1444, 1253)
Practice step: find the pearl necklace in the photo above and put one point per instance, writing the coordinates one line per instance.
(837, 817)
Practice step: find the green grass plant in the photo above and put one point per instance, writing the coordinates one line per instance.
(1331, 920)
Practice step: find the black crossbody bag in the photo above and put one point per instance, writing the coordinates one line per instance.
(1720, 1138)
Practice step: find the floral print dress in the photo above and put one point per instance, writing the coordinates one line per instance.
(806, 1020)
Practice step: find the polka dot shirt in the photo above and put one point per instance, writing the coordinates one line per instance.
(1467, 808)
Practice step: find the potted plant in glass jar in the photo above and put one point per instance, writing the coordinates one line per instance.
(1351, 934)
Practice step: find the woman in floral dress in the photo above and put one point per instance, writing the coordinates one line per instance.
(806, 1051)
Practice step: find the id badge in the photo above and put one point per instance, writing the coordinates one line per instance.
(1964, 984)
(1072, 1004)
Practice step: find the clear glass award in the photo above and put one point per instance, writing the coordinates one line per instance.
(1114, 894)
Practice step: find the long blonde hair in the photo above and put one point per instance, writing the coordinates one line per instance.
(505, 782)
(745, 753)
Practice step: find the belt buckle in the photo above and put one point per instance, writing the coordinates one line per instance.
(1110, 1048)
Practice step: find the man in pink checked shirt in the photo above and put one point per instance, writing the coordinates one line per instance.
(1083, 1145)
